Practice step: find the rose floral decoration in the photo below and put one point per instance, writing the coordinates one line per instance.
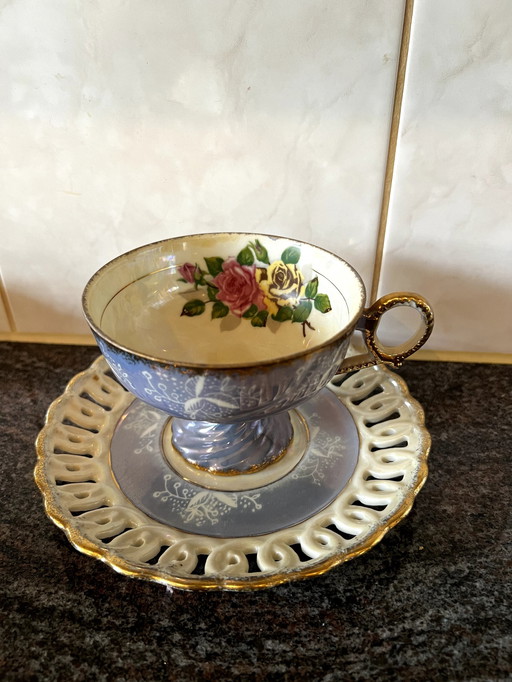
(251, 287)
(281, 284)
(189, 273)
(237, 287)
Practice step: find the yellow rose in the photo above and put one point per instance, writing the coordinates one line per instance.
(281, 284)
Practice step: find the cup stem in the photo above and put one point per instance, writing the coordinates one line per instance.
(235, 448)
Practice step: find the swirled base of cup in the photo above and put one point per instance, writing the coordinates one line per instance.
(233, 449)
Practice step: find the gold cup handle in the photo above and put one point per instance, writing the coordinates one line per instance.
(368, 325)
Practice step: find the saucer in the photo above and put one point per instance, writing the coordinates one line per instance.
(112, 480)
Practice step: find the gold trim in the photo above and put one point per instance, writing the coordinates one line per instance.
(392, 145)
(463, 356)
(394, 355)
(121, 566)
(55, 339)
(373, 314)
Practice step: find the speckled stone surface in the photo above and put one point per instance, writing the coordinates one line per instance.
(432, 601)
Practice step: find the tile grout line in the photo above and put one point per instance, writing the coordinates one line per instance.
(47, 338)
(392, 145)
(485, 357)
(4, 298)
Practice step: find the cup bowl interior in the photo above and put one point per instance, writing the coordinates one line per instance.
(224, 299)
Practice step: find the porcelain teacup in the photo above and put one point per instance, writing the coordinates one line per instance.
(227, 332)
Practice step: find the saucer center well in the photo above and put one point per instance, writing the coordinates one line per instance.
(326, 454)
(274, 471)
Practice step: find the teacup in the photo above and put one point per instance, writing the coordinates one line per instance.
(227, 332)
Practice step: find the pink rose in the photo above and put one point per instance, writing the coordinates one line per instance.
(237, 287)
(188, 272)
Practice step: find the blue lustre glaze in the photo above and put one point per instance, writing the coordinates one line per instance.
(224, 394)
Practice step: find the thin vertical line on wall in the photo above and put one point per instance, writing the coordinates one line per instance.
(4, 298)
(393, 140)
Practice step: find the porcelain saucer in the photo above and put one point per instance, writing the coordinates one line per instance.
(112, 480)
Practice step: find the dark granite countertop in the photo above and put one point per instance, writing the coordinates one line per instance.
(432, 601)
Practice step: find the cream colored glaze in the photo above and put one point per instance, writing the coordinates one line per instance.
(137, 301)
(146, 316)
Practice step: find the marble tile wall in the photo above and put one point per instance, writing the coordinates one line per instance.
(123, 123)
(449, 230)
(4, 320)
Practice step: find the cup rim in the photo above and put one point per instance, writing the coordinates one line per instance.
(282, 359)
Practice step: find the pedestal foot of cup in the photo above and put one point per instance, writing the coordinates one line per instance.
(231, 449)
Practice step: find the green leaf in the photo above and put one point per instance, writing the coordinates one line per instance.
(322, 303)
(245, 257)
(193, 308)
(260, 251)
(198, 277)
(212, 293)
(312, 288)
(302, 311)
(283, 314)
(214, 265)
(182, 279)
(260, 319)
(291, 255)
(251, 312)
(219, 310)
